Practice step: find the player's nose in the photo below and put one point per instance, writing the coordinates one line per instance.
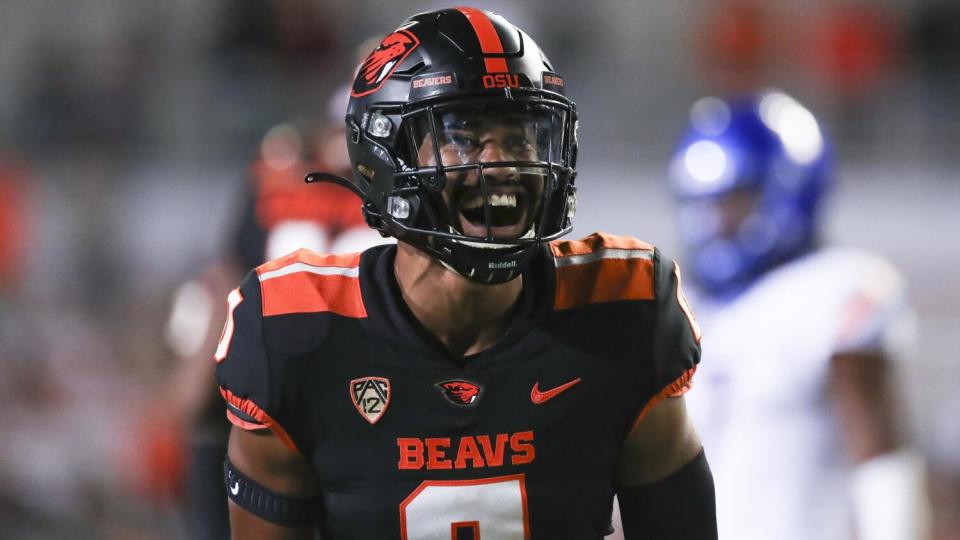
(491, 150)
(494, 152)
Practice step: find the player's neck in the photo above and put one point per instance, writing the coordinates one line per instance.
(466, 317)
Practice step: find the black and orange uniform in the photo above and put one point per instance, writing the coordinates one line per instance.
(518, 441)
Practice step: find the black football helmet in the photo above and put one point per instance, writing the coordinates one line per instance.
(463, 143)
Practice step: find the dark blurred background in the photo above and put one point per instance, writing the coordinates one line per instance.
(127, 129)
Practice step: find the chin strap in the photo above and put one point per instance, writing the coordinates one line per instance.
(889, 497)
(314, 177)
(370, 214)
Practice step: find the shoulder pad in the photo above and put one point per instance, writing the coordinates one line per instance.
(602, 268)
(308, 282)
(875, 311)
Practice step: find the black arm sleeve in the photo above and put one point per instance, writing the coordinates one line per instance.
(682, 506)
(270, 505)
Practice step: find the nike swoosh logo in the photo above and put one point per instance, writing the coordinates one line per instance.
(235, 488)
(538, 397)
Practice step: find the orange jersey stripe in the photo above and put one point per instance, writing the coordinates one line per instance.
(307, 282)
(306, 256)
(597, 241)
(253, 410)
(304, 292)
(489, 40)
(602, 268)
(685, 306)
(677, 388)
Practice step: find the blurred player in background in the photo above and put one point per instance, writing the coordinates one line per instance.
(794, 401)
(14, 220)
(945, 471)
(280, 215)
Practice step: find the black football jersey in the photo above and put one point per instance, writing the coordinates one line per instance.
(518, 441)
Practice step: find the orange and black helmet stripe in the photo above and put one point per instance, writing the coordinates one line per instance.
(490, 43)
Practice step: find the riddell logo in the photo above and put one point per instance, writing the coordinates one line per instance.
(378, 67)
(432, 81)
(501, 80)
(505, 265)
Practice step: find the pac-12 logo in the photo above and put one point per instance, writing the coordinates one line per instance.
(370, 396)
(460, 392)
(381, 63)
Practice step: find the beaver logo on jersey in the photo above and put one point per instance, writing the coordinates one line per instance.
(370, 395)
(460, 392)
(383, 60)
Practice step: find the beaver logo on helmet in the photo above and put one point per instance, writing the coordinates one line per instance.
(383, 60)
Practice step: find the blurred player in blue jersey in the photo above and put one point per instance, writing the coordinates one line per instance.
(794, 399)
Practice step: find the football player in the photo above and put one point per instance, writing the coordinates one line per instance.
(480, 378)
(795, 399)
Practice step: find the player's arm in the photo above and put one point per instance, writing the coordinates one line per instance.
(888, 479)
(944, 489)
(272, 490)
(863, 402)
(664, 484)
(281, 487)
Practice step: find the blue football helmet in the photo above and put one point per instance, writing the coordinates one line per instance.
(748, 176)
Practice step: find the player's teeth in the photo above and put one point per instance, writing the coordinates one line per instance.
(504, 200)
(473, 202)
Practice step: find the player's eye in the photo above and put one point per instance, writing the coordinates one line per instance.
(518, 144)
(462, 140)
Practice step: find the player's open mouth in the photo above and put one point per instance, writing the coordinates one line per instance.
(508, 213)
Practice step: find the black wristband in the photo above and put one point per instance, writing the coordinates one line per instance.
(267, 504)
(682, 506)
